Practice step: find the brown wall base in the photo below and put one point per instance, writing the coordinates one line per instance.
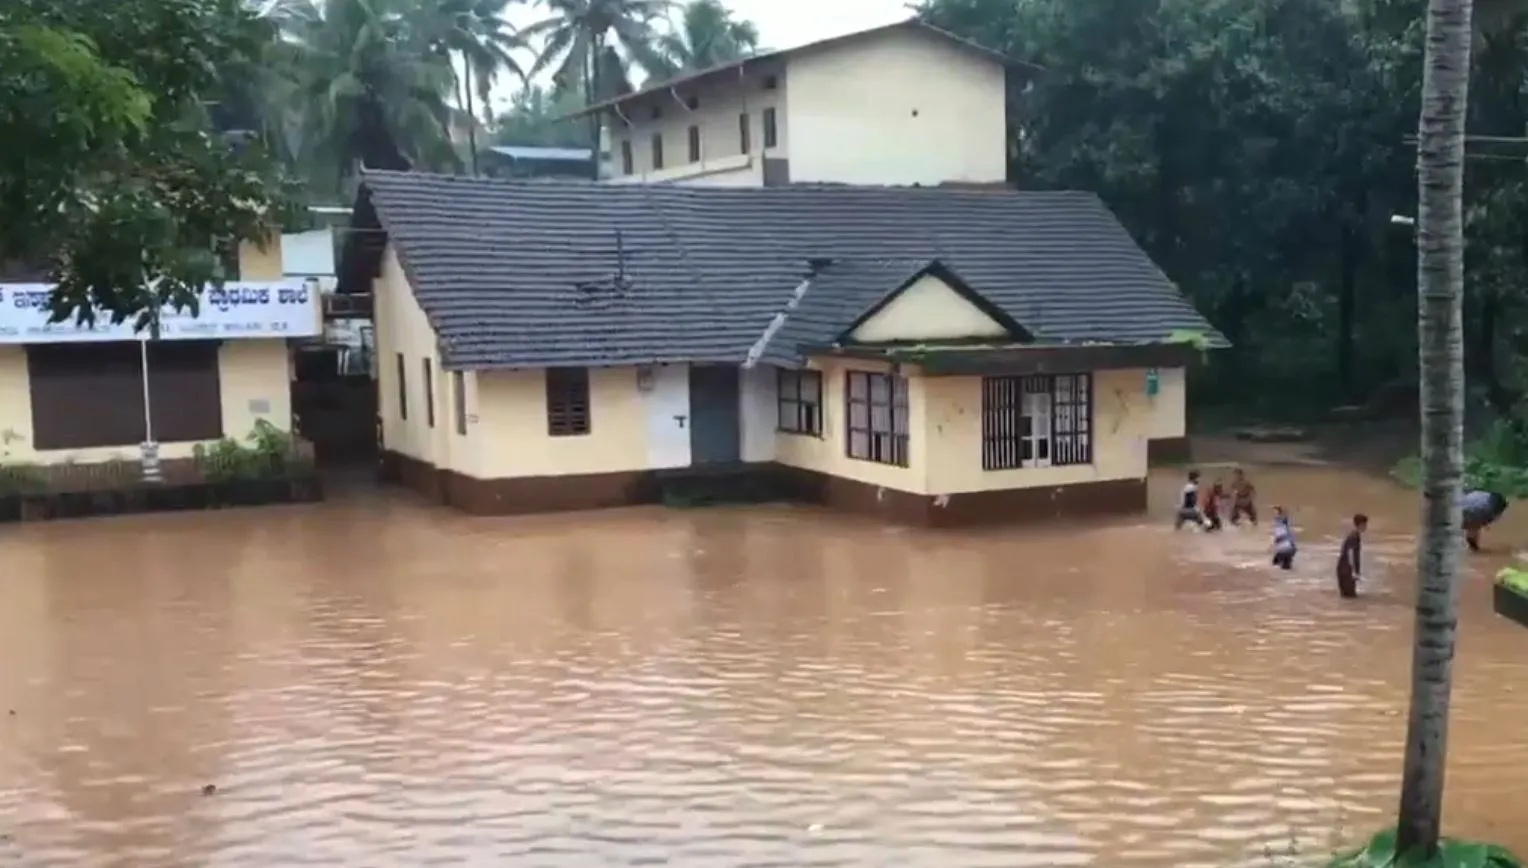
(601, 490)
(1168, 451)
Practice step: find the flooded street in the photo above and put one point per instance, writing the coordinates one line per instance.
(374, 683)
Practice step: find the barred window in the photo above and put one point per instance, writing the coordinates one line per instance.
(1037, 421)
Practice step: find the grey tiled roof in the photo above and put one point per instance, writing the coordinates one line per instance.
(521, 274)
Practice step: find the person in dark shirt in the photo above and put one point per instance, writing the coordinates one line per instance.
(1350, 559)
(1481, 509)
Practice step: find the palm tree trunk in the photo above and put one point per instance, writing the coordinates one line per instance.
(1440, 280)
(469, 110)
(592, 91)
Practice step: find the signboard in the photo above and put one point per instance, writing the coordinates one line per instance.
(242, 309)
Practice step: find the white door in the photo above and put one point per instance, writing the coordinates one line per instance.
(1037, 410)
(668, 416)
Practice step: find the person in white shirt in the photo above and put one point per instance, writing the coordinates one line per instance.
(1284, 547)
(1188, 503)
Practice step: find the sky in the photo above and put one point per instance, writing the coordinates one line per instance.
(781, 23)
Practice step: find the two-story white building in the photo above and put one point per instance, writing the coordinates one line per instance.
(902, 104)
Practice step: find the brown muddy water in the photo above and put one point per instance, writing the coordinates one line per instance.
(374, 683)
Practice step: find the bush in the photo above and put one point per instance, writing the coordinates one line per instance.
(1498, 462)
(266, 453)
(1380, 853)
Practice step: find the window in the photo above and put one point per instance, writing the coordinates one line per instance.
(1037, 421)
(89, 395)
(657, 112)
(800, 395)
(459, 399)
(429, 394)
(692, 103)
(694, 144)
(743, 136)
(877, 426)
(567, 401)
(771, 83)
(626, 162)
(769, 128)
(403, 389)
(657, 150)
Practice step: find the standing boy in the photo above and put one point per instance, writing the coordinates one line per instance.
(1212, 501)
(1188, 503)
(1243, 497)
(1284, 547)
(1350, 559)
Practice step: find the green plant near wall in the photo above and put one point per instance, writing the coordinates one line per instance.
(1380, 852)
(1515, 578)
(267, 452)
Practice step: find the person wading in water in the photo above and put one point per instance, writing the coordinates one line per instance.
(1188, 503)
(1350, 559)
(1243, 497)
(1284, 547)
(1481, 510)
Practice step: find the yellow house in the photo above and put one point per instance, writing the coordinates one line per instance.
(938, 356)
(75, 396)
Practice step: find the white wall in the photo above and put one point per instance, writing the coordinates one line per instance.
(760, 412)
(900, 108)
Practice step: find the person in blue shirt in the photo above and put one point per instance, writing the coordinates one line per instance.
(1284, 547)
(1481, 510)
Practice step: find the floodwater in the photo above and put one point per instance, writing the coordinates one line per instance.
(373, 683)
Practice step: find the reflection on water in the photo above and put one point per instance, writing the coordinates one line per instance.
(374, 683)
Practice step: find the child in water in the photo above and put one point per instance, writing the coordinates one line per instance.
(1188, 503)
(1350, 559)
(1481, 510)
(1212, 500)
(1243, 497)
(1284, 547)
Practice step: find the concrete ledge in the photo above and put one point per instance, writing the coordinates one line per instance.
(543, 494)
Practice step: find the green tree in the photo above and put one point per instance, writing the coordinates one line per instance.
(705, 35)
(475, 34)
(538, 116)
(582, 40)
(369, 88)
(111, 173)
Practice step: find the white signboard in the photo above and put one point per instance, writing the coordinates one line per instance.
(243, 309)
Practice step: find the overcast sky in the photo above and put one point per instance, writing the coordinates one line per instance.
(783, 23)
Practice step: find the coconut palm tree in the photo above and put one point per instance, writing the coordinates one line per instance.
(706, 35)
(1440, 281)
(367, 90)
(475, 34)
(582, 41)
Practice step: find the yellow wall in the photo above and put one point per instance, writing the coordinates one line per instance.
(826, 454)
(927, 310)
(1170, 406)
(1122, 421)
(506, 410)
(945, 445)
(260, 262)
(254, 379)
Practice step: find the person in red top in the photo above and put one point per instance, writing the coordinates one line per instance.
(1350, 559)
(1211, 505)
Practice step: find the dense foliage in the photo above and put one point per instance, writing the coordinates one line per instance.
(144, 139)
(112, 179)
(1259, 150)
